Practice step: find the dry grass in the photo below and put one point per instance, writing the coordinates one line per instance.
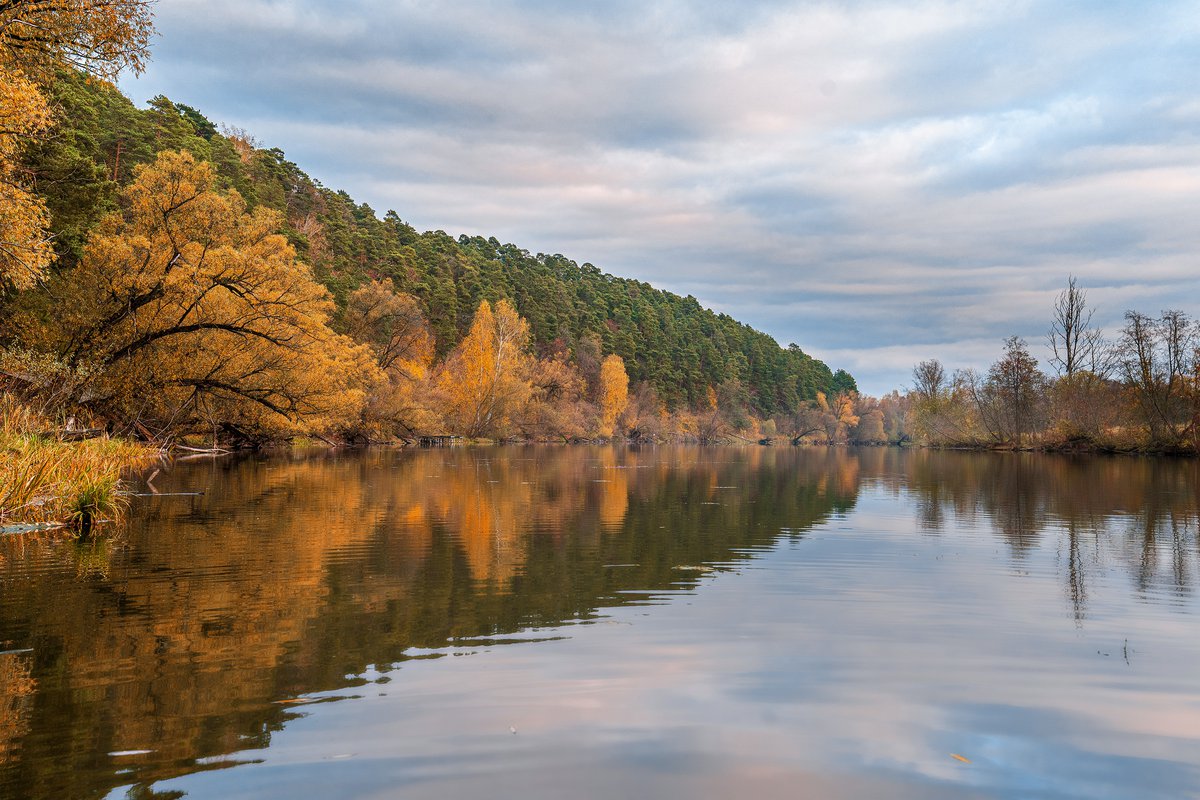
(44, 479)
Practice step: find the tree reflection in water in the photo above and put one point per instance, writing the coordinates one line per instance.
(294, 574)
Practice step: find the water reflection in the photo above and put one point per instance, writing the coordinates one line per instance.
(179, 646)
(1138, 513)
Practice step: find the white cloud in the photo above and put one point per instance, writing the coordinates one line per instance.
(857, 178)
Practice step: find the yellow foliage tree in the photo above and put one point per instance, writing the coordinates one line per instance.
(186, 306)
(485, 381)
(393, 326)
(396, 330)
(37, 36)
(25, 249)
(100, 37)
(837, 414)
(614, 393)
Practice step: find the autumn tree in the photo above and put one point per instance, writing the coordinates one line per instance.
(485, 380)
(392, 325)
(837, 414)
(558, 407)
(733, 402)
(644, 414)
(939, 402)
(706, 423)
(896, 409)
(802, 421)
(614, 393)
(870, 426)
(25, 249)
(869, 429)
(187, 307)
(929, 379)
(589, 358)
(1157, 361)
(1011, 400)
(100, 37)
(1084, 406)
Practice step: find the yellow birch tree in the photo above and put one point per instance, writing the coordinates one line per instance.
(614, 393)
(485, 381)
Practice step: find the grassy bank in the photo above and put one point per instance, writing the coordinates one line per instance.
(44, 479)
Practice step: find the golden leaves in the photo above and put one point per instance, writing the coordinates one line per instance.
(485, 381)
(614, 393)
(25, 249)
(191, 308)
(101, 37)
(36, 37)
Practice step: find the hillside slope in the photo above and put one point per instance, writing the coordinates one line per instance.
(672, 342)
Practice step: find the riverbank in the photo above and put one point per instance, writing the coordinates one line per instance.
(1072, 447)
(47, 479)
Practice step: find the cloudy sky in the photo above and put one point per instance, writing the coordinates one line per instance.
(879, 182)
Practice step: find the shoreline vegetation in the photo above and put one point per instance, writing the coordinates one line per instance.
(180, 285)
(51, 479)
(1137, 391)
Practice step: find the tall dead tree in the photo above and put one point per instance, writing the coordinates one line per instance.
(1076, 345)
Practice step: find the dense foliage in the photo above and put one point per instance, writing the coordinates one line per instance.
(669, 342)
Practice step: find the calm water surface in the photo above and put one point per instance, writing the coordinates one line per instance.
(596, 622)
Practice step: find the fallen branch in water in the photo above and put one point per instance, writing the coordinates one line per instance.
(208, 451)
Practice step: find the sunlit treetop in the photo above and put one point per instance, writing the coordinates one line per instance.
(100, 37)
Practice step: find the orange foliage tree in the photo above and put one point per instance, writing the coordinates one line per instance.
(486, 380)
(396, 330)
(100, 37)
(186, 306)
(25, 249)
(558, 407)
(614, 393)
(837, 414)
(36, 37)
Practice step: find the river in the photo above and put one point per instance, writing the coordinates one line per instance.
(577, 622)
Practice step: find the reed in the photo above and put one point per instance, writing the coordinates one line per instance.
(44, 479)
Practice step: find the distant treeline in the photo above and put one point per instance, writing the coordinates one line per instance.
(170, 303)
(1133, 390)
(1137, 389)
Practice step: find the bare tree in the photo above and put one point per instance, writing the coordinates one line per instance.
(1178, 334)
(1157, 359)
(929, 379)
(1075, 343)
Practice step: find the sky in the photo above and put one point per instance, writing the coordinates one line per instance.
(878, 182)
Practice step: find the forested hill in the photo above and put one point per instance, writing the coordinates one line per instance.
(679, 347)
